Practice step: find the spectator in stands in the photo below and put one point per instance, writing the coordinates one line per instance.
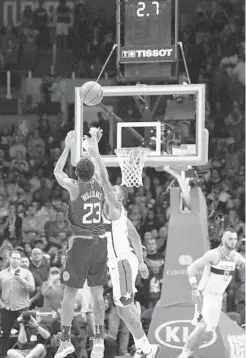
(28, 45)
(10, 52)
(94, 50)
(15, 285)
(27, 16)
(40, 22)
(82, 34)
(35, 181)
(19, 166)
(42, 194)
(52, 290)
(16, 146)
(63, 20)
(154, 258)
(25, 262)
(150, 222)
(36, 145)
(106, 46)
(31, 222)
(27, 249)
(162, 238)
(58, 95)
(155, 284)
(32, 339)
(45, 100)
(54, 228)
(40, 270)
(14, 228)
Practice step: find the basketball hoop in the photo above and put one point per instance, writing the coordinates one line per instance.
(237, 345)
(131, 161)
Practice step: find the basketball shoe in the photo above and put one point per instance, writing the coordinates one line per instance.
(64, 349)
(97, 348)
(155, 350)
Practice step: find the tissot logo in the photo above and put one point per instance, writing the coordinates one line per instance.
(147, 53)
(174, 334)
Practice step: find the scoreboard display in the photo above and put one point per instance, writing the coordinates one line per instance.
(149, 37)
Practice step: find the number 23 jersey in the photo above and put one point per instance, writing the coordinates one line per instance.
(85, 212)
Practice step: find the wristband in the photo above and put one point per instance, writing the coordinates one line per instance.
(192, 280)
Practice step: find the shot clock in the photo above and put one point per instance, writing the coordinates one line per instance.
(149, 8)
(150, 35)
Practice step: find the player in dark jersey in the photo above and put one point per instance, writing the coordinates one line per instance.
(86, 257)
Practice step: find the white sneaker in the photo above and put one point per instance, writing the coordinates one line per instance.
(155, 350)
(97, 348)
(64, 349)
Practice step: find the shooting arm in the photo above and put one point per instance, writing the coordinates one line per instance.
(210, 257)
(62, 178)
(135, 240)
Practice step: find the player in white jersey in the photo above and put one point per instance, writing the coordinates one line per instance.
(218, 266)
(123, 260)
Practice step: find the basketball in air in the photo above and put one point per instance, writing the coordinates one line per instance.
(91, 93)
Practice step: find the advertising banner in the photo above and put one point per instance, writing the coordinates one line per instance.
(148, 54)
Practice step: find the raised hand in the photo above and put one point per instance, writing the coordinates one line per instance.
(70, 139)
(96, 134)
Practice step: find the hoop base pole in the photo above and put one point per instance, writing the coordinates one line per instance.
(179, 174)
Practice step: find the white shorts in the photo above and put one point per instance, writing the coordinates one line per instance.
(123, 275)
(211, 310)
(62, 29)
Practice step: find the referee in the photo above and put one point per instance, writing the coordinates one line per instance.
(15, 285)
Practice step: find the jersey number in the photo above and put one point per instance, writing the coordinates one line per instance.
(93, 213)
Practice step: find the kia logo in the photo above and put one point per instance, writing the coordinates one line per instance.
(174, 334)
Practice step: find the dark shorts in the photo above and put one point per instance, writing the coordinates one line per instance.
(85, 259)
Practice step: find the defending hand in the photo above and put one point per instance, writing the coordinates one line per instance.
(96, 133)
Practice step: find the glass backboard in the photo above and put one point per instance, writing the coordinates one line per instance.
(169, 120)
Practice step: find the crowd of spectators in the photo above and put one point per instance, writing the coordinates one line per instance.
(33, 206)
(46, 32)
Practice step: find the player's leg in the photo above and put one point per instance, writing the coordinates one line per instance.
(67, 311)
(98, 308)
(73, 277)
(193, 340)
(210, 314)
(123, 280)
(97, 278)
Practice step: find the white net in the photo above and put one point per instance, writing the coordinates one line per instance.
(131, 162)
(238, 346)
